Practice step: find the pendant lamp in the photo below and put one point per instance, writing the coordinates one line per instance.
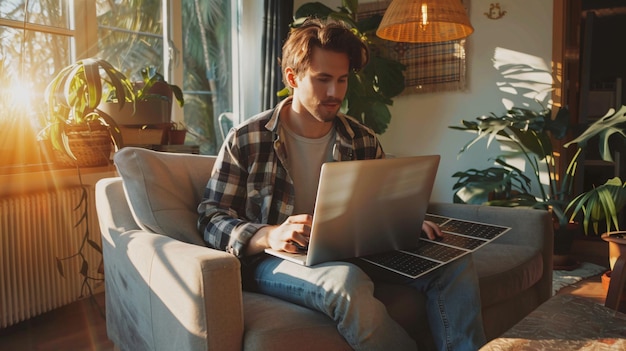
(424, 21)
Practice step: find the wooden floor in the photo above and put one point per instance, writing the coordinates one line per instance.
(76, 327)
(80, 326)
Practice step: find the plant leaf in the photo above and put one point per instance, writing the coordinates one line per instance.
(601, 203)
(94, 245)
(60, 267)
(84, 269)
(92, 83)
(604, 127)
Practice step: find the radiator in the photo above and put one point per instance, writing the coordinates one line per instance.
(36, 230)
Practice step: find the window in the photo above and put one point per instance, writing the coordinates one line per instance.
(35, 41)
(188, 41)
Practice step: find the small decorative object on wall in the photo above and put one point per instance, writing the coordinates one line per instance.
(495, 12)
(430, 67)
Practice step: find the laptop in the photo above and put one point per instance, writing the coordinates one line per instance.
(367, 207)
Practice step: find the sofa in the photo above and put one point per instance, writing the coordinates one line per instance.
(165, 290)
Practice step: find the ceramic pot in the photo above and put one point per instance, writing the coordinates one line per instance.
(617, 245)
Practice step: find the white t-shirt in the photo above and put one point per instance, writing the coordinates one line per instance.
(305, 157)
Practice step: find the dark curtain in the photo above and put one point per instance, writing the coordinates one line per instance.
(278, 17)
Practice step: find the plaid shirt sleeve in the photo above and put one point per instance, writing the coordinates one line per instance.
(239, 198)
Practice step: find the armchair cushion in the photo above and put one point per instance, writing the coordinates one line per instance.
(164, 190)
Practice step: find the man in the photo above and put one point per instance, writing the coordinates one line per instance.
(262, 195)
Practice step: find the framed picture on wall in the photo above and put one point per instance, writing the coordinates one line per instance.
(430, 67)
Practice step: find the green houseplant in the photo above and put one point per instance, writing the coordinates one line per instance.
(148, 120)
(602, 203)
(530, 135)
(371, 90)
(154, 86)
(73, 96)
(80, 135)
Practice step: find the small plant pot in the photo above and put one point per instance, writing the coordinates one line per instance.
(177, 137)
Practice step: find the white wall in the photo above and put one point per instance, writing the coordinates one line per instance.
(419, 123)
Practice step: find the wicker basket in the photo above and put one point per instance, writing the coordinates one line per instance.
(91, 144)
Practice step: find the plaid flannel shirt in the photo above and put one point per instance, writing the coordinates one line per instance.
(250, 186)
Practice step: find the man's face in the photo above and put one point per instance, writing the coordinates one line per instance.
(320, 89)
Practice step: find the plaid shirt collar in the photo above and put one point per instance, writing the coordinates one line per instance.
(343, 148)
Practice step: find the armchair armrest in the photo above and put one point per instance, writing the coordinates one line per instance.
(161, 293)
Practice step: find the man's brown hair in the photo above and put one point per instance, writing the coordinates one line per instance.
(325, 34)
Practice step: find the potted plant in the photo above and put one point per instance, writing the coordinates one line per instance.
(154, 86)
(152, 105)
(76, 130)
(603, 203)
(371, 90)
(529, 133)
(80, 135)
(148, 120)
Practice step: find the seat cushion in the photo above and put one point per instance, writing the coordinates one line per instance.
(270, 323)
(273, 324)
(164, 190)
(505, 270)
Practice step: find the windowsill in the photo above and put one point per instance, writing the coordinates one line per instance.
(25, 179)
(48, 167)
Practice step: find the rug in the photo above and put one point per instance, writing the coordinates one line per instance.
(562, 278)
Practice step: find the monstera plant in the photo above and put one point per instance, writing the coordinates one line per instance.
(371, 90)
(602, 203)
(529, 134)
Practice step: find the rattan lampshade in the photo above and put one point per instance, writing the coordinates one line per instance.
(424, 21)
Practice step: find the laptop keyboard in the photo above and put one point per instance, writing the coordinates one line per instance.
(477, 230)
(437, 252)
(460, 238)
(402, 262)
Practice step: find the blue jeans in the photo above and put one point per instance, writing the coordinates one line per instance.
(345, 293)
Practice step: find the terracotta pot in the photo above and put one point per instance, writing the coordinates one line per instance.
(617, 245)
(139, 113)
(177, 137)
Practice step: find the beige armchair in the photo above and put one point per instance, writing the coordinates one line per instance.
(166, 291)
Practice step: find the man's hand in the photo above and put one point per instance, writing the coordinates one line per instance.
(294, 232)
(432, 230)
